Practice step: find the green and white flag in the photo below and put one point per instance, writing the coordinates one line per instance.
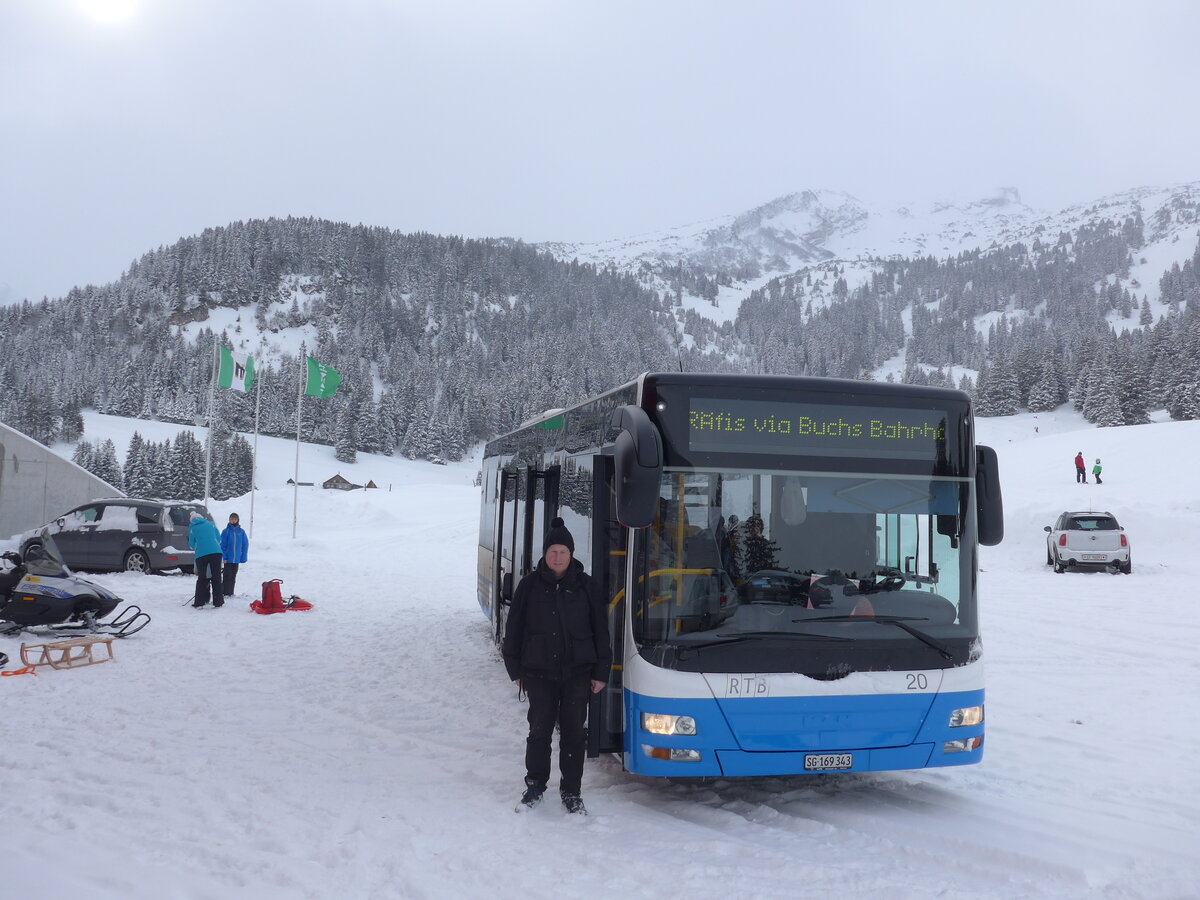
(322, 380)
(236, 370)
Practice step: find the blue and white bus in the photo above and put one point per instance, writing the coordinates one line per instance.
(790, 565)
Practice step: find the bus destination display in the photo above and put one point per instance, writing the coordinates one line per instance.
(768, 426)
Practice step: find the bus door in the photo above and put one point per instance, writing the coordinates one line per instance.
(606, 714)
(523, 518)
(508, 515)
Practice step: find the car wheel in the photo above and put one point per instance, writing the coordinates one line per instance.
(1049, 558)
(1128, 567)
(1059, 568)
(137, 561)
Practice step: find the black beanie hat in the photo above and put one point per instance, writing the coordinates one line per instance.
(558, 534)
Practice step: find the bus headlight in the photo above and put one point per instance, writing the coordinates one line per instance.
(970, 715)
(671, 754)
(656, 723)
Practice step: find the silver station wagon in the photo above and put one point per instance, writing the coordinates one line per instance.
(1087, 540)
(123, 534)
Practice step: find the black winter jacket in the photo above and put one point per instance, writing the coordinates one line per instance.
(557, 629)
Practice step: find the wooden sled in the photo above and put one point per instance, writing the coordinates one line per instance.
(71, 653)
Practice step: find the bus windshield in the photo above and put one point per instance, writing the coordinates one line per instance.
(747, 570)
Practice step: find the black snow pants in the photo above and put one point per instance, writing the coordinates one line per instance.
(565, 703)
(229, 579)
(208, 578)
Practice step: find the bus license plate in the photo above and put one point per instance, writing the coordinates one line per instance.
(1100, 556)
(826, 762)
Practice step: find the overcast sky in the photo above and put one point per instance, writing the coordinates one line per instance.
(127, 124)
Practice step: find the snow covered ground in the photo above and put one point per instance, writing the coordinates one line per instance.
(372, 748)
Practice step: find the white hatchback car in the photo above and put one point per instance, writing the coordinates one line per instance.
(1087, 540)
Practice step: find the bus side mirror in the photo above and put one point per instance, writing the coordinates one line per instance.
(506, 581)
(989, 506)
(638, 460)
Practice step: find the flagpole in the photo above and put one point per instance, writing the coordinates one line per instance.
(296, 477)
(254, 457)
(212, 388)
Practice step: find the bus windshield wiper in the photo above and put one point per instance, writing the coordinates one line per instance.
(898, 621)
(740, 636)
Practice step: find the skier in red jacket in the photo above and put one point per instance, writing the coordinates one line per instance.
(1080, 468)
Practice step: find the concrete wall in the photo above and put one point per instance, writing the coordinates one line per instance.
(37, 484)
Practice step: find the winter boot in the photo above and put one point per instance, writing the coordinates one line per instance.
(533, 793)
(573, 803)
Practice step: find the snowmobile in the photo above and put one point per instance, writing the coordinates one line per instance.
(39, 593)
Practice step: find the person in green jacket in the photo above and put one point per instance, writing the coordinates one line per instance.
(1096, 472)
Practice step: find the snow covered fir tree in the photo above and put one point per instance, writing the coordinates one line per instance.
(442, 342)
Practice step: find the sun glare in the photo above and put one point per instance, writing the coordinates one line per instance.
(109, 10)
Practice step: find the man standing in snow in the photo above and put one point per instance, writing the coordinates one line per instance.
(235, 547)
(205, 540)
(556, 649)
(1080, 468)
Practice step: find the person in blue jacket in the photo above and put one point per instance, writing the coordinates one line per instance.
(205, 540)
(234, 548)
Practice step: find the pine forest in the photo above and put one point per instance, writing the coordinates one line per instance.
(443, 341)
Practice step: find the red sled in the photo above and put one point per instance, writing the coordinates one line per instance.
(272, 600)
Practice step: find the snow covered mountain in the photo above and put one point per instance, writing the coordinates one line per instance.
(810, 228)
(790, 232)
(782, 235)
